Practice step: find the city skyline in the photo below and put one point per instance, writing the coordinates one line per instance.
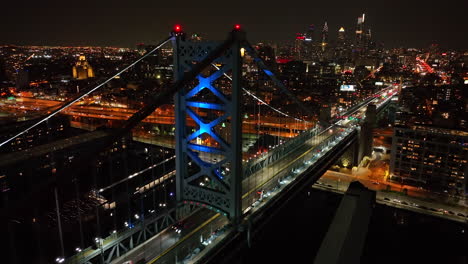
(413, 24)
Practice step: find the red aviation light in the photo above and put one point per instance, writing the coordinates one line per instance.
(177, 28)
(237, 27)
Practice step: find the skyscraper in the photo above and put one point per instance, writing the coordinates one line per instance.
(310, 34)
(324, 36)
(360, 31)
(299, 46)
(367, 39)
(341, 35)
(340, 51)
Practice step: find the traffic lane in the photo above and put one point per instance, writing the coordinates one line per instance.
(258, 179)
(184, 249)
(164, 240)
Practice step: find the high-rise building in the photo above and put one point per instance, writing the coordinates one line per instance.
(82, 70)
(310, 37)
(367, 39)
(360, 31)
(341, 35)
(299, 47)
(430, 157)
(342, 49)
(324, 36)
(311, 44)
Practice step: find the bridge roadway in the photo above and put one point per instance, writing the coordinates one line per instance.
(261, 180)
(250, 185)
(190, 238)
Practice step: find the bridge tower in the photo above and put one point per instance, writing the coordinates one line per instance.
(366, 133)
(208, 125)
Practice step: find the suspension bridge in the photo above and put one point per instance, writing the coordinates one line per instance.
(237, 156)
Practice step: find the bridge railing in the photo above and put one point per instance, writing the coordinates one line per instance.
(295, 164)
(277, 152)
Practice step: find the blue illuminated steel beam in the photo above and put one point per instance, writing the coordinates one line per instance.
(224, 191)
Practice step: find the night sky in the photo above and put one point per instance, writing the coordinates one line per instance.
(409, 23)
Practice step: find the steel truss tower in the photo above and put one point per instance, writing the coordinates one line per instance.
(209, 156)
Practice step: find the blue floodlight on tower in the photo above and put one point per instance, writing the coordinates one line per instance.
(222, 192)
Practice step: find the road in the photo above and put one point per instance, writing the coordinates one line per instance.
(415, 201)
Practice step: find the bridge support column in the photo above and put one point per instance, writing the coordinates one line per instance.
(366, 133)
(209, 157)
(350, 158)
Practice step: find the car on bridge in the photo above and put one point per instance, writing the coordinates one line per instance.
(178, 227)
(181, 225)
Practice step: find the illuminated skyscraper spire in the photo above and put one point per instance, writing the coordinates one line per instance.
(341, 34)
(325, 33)
(360, 31)
(324, 36)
